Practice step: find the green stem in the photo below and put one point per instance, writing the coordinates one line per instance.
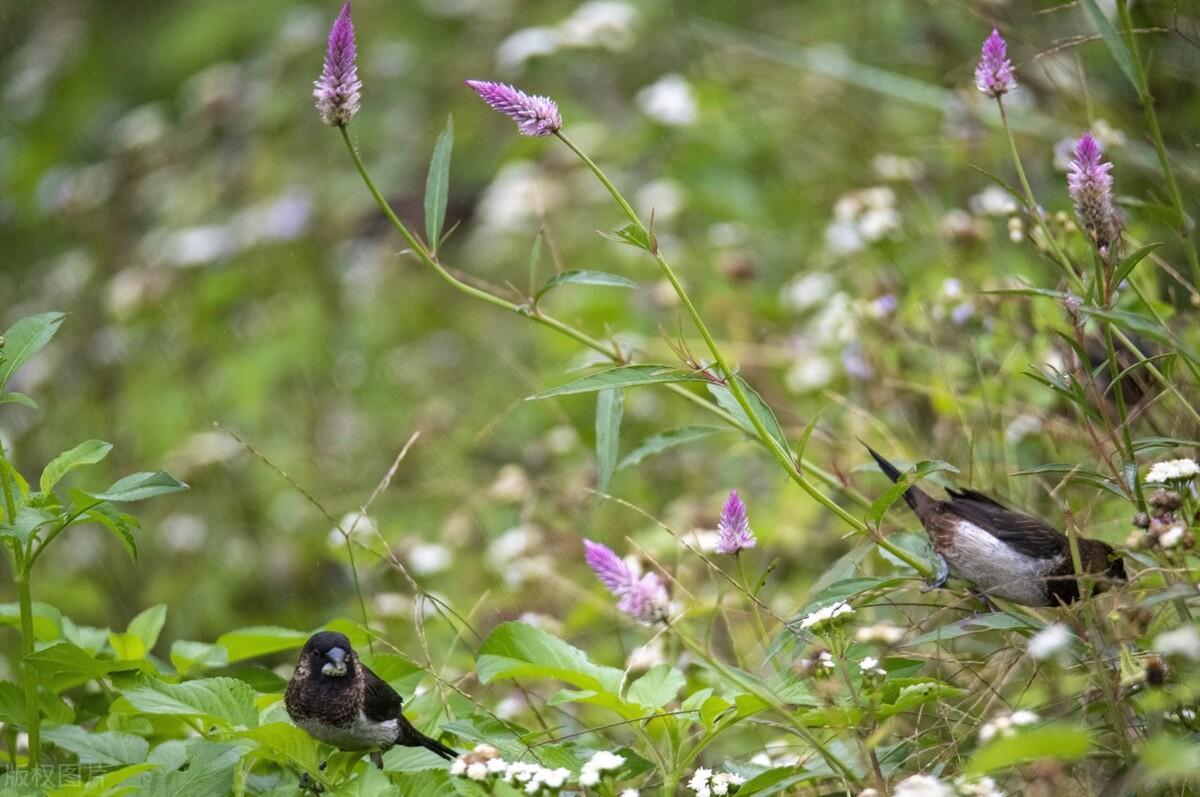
(1160, 147)
(33, 715)
(1130, 458)
(763, 637)
(781, 455)
(1031, 203)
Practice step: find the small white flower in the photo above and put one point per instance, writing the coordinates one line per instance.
(981, 787)
(477, 771)
(603, 760)
(1183, 641)
(669, 101)
(993, 201)
(458, 768)
(826, 615)
(1049, 641)
(922, 786)
(1172, 470)
(630, 793)
(589, 777)
(886, 633)
(870, 666)
(1006, 724)
(1171, 537)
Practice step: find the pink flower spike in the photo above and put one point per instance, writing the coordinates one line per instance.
(608, 567)
(733, 529)
(647, 600)
(1090, 186)
(993, 75)
(338, 91)
(535, 116)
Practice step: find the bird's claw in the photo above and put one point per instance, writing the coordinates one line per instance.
(943, 575)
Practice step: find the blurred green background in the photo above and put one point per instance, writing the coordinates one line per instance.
(811, 166)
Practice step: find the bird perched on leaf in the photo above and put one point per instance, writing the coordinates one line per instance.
(338, 700)
(1003, 553)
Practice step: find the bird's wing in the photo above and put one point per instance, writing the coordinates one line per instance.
(1024, 533)
(380, 702)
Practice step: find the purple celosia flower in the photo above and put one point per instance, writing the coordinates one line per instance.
(339, 90)
(994, 75)
(535, 116)
(644, 599)
(1090, 186)
(733, 529)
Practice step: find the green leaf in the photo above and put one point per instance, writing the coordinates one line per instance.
(1116, 45)
(207, 771)
(24, 339)
(12, 704)
(108, 748)
(1057, 741)
(13, 397)
(284, 742)
(619, 377)
(581, 277)
(247, 643)
(891, 495)
(657, 687)
(437, 185)
(140, 486)
(765, 414)
(148, 625)
(995, 621)
(66, 665)
(1130, 263)
(120, 524)
(1169, 758)
(609, 406)
(1075, 474)
(227, 701)
(401, 674)
(191, 657)
(517, 650)
(128, 647)
(656, 444)
(906, 694)
(635, 235)
(26, 524)
(47, 621)
(88, 452)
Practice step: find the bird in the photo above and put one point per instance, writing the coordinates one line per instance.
(1003, 553)
(336, 699)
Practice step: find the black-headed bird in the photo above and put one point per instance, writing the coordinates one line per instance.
(1003, 553)
(338, 700)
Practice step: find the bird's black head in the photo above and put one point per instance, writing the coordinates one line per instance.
(328, 653)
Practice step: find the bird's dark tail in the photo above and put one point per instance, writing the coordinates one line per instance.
(411, 737)
(914, 496)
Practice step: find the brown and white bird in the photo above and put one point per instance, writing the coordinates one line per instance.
(338, 700)
(1003, 553)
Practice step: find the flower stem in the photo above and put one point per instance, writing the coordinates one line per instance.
(775, 447)
(33, 714)
(763, 638)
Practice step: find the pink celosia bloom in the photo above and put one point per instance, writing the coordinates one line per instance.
(993, 75)
(644, 599)
(733, 529)
(339, 90)
(535, 116)
(1090, 186)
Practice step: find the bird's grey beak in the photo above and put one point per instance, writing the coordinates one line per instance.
(335, 663)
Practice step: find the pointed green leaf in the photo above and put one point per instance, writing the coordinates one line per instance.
(108, 748)
(517, 650)
(247, 643)
(437, 185)
(140, 486)
(633, 234)
(13, 397)
(26, 524)
(47, 621)
(88, 452)
(621, 376)
(657, 687)
(656, 444)
(148, 624)
(284, 742)
(609, 404)
(1128, 264)
(764, 413)
(580, 277)
(120, 524)
(1116, 45)
(24, 339)
(191, 657)
(1057, 741)
(227, 701)
(206, 771)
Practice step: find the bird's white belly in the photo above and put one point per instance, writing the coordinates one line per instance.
(362, 734)
(996, 569)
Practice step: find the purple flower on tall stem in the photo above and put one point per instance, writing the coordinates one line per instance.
(1090, 186)
(993, 75)
(733, 529)
(338, 91)
(644, 599)
(535, 116)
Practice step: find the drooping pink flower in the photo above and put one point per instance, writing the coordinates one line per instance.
(1090, 186)
(733, 529)
(535, 116)
(644, 599)
(993, 75)
(338, 91)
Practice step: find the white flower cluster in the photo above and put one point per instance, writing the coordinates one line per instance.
(484, 763)
(1172, 470)
(884, 633)
(1183, 641)
(1006, 724)
(862, 217)
(1172, 536)
(929, 786)
(826, 615)
(706, 783)
(870, 666)
(1049, 642)
(595, 767)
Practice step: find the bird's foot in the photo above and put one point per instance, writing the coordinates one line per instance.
(943, 575)
(308, 785)
(377, 759)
